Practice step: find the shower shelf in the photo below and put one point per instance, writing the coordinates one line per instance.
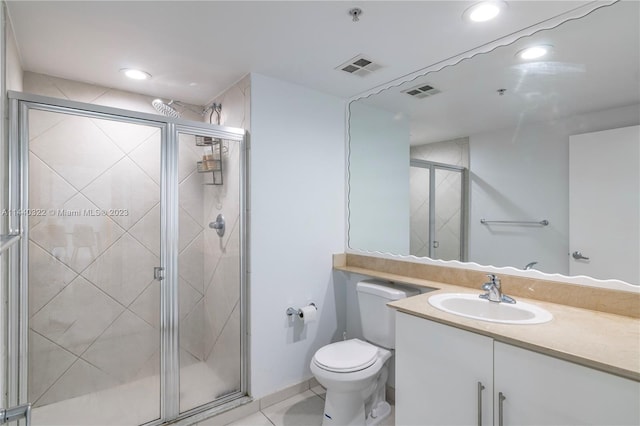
(211, 163)
(6, 241)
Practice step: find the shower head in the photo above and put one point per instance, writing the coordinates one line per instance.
(169, 110)
(165, 108)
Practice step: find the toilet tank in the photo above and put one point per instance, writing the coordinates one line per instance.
(378, 320)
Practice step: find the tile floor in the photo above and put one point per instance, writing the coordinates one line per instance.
(304, 409)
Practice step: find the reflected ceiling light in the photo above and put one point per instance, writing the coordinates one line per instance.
(533, 52)
(135, 74)
(484, 11)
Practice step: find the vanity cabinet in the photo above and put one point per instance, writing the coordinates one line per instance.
(448, 376)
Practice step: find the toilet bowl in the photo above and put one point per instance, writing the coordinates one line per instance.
(354, 371)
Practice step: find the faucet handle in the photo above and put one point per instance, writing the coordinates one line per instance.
(493, 281)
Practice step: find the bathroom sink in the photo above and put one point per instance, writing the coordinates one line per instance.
(471, 306)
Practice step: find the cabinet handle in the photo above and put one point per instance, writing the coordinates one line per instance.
(501, 399)
(480, 389)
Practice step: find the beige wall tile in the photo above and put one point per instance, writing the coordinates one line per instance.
(47, 277)
(81, 379)
(77, 316)
(124, 348)
(47, 362)
(77, 150)
(124, 270)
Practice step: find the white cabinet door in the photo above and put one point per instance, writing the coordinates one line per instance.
(541, 390)
(438, 369)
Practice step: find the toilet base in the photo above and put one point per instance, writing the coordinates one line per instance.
(343, 409)
(349, 410)
(381, 412)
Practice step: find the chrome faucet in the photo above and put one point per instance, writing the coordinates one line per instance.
(494, 291)
(530, 265)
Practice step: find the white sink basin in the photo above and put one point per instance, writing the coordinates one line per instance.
(471, 306)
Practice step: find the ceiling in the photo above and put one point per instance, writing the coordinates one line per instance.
(594, 66)
(196, 49)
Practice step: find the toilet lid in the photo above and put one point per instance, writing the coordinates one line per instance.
(347, 356)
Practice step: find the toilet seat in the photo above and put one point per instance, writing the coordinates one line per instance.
(346, 356)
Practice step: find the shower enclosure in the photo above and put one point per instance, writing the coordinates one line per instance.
(125, 306)
(438, 210)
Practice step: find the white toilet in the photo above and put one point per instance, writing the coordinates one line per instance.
(355, 372)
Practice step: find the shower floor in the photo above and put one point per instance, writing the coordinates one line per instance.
(114, 406)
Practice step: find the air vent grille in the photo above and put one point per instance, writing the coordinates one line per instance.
(359, 66)
(422, 91)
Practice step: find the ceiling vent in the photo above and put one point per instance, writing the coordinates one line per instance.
(359, 66)
(422, 91)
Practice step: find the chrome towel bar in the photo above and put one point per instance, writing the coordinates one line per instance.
(543, 222)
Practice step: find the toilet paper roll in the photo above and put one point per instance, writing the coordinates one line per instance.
(308, 314)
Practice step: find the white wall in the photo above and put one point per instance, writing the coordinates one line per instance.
(522, 173)
(13, 63)
(296, 223)
(378, 180)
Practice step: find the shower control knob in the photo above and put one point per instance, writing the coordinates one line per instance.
(218, 225)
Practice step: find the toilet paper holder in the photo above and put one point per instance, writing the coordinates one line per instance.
(298, 312)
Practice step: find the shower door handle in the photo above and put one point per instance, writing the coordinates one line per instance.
(158, 274)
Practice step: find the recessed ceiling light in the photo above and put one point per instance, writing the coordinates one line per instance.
(533, 52)
(484, 11)
(135, 74)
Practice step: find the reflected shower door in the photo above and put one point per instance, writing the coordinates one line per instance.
(438, 210)
(420, 211)
(448, 214)
(209, 268)
(93, 243)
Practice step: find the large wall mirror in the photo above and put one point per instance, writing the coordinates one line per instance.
(508, 161)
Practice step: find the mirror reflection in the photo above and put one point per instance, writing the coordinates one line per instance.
(523, 158)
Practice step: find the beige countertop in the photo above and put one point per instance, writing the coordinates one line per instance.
(607, 342)
(604, 341)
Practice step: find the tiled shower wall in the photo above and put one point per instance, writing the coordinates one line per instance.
(454, 152)
(125, 160)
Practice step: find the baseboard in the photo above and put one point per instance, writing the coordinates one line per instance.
(286, 393)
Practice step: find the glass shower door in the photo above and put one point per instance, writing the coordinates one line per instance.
(93, 242)
(448, 214)
(438, 210)
(209, 268)
(420, 211)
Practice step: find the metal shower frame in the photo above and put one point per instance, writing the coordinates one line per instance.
(17, 348)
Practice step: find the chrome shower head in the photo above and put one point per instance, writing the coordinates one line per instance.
(165, 109)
